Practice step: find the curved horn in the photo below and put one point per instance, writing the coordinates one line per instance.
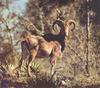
(60, 23)
(69, 23)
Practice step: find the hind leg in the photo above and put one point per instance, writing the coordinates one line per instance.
(29, 66)
(19, 66)
(31, 59)
(23, 48)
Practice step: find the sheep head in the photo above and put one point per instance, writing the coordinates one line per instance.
(65, 27)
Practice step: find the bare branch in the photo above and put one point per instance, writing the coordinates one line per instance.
(27, 24)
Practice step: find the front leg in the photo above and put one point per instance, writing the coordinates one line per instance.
(53, 64)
